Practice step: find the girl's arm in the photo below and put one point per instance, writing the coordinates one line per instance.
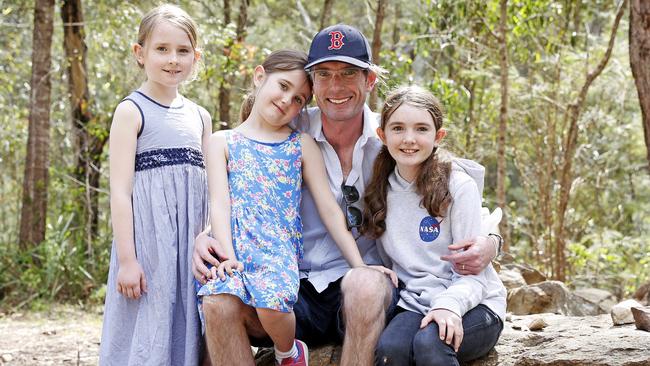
(122, 147)
(216, 165)
(315, 177)
(204, 245)
(207, 130)
(465, 291)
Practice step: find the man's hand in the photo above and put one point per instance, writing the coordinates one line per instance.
(476, 254)
(450, 326)
(206, 249)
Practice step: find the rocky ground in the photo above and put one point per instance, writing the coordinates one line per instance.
(62, 336)
(70, 336)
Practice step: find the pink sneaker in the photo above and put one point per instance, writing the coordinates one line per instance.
(302, 359)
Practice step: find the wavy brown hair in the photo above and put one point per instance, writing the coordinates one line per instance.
(277, 61)
(432, 182)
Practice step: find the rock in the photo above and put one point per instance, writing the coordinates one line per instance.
(575, 341)
(530, 274)
(595, 301)
(7, 357)
(642, 317)
(537, 324)
(642, 294)
(511, 279)
(622, 314)
(543, 297)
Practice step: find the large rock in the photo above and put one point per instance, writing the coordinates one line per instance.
(511, 279)
(574, 341)
(595, 301)
(642, 317)
(544, 297)
(622, 312)
(530, 274)
(642, 294)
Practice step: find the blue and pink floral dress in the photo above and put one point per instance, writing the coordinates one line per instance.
(265, 188)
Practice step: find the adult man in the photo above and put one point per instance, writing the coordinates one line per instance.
(334, 301)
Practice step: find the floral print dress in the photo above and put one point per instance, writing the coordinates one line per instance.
(265, 188)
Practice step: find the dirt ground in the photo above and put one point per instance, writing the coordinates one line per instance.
(60, 336)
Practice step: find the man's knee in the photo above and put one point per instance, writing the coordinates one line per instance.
(365, 287)
(222, 309)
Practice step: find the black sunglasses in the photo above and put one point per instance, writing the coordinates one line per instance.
(353, 215)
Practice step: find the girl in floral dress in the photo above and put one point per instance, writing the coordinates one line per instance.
(255, 176)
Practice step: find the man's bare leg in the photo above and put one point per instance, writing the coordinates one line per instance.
(366, 296)
(228, 323)
(281, 327)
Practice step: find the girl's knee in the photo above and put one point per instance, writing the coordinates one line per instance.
(430, 350)
(392, 351)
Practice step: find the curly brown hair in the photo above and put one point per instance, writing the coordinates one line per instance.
(432, 182)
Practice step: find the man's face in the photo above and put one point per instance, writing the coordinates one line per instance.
(341, 89)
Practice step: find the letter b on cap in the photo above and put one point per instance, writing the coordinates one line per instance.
(336, 40)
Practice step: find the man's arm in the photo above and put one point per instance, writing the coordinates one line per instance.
(476, 254)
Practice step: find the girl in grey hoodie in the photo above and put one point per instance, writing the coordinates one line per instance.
(419, 201)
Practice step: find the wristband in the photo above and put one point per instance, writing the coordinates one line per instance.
(499, 243)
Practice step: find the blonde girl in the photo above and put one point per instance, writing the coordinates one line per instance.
(158, 196)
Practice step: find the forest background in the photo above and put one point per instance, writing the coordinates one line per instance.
(541, 92)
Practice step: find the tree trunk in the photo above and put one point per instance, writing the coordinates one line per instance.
(376, 46)
(566, 178)
(469, 120)
(326, 14)
(87, 150)
(35, 183)
(396, 28)
(503, 124)
(640, 61)
(225, 85)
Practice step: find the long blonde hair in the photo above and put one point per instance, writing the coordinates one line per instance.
(174, 15)
(432, 182)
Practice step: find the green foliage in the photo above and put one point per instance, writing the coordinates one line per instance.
(448, 46)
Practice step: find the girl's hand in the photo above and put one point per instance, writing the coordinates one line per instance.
(228, 266)
(388, 272)
(450, 326)
(130, 280)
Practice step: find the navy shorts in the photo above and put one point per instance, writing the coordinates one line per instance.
(319, 316)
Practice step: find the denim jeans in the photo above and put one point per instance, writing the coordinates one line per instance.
(404, 343)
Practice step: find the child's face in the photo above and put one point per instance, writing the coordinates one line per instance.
(168, 56)
(280, 95)
(410, 136)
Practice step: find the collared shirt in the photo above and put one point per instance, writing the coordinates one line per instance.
(323, 263)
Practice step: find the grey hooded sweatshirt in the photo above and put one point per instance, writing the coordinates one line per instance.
(414, 241)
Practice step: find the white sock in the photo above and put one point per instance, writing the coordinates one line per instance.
(279, 356)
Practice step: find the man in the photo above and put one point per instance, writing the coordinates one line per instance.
(335, 303)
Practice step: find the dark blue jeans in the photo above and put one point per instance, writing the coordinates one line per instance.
(404, 343)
